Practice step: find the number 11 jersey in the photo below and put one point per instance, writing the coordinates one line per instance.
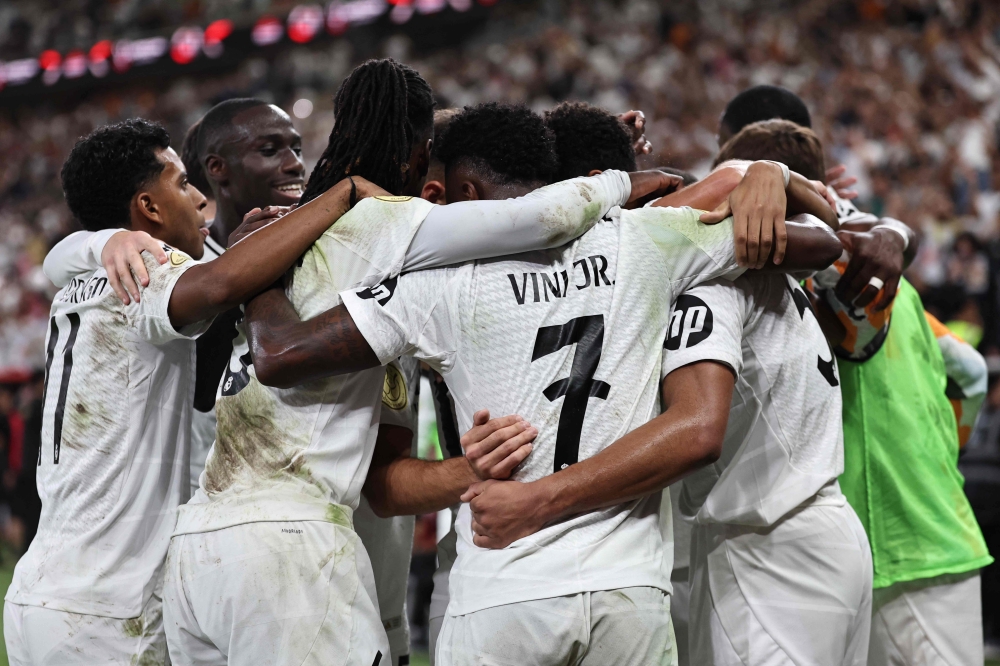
(571, 339)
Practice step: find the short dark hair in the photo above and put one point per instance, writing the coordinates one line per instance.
(107, 167)
(380, 109)
(589, 138)
(795, 146)
(507, 143)
(764, 103)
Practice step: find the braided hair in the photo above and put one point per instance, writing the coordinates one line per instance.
(380, 110)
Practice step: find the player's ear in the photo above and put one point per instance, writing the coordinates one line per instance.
(216, 168)
(470, 191)
(434, 192)
(595, 172)
(145, 206)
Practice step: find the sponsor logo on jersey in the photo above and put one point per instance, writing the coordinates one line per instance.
(690, 323)
(392, 199)
(394, 388)
(381, 292)
(827, 368)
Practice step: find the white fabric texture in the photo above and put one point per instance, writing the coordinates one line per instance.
(291, 454)
(798, 592)
(77, 254)
(930, 622)
(272, 594)
(518, 336)
(113, 464)
(627, 626)
(784, 439)
(37, 636)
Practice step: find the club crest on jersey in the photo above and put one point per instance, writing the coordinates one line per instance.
(381, 292)
(394, 388)
(690, 323)
(177, 258)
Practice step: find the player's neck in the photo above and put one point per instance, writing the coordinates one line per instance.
(227, 219)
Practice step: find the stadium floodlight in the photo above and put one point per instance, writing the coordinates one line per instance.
(302, 108)
(268, 30)
(185, 44)
(401, 13)
(20, 71)
(460, 5)
(99, 55)
(75, 64)
(430, 6)
(357, 12)
(215, 34)
(304, 22)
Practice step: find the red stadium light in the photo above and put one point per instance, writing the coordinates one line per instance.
(266, 31)
(49, 60)
(75, 64)
(304, 22)
(401, 13)
(185, 45)
(218, 31)
(100, 51)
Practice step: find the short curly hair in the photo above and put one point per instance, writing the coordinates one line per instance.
(507, 143)
(589, 138)
(107, 167)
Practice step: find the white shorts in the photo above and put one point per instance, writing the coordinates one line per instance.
(627, 626)
(931, 622)
(799, 592)
(270, 594)
(39, 636)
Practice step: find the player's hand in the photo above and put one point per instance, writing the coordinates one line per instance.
(257, 219)
(365, 188)
(126, 270)
(840, 183)
(635, 121)
(874, 254)
(758, 208)
(494, 447)
(503, 512)
(824, 191)
(651, 184)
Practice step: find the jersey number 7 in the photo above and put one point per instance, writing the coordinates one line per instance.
(587, 333)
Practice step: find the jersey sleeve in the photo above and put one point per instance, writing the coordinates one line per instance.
(411, 315)
(548, 217)
(693, 252)
(397, 399)
(149, 317)
(706, 324)
(967, 377)
(865, 328)
(78, 253)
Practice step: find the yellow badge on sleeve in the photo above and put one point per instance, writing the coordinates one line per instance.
(394, 388)
(177, 258)
(392, 199)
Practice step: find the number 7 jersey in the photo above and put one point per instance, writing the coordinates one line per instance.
(570, 339)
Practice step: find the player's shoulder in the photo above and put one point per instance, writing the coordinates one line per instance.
(375, 211)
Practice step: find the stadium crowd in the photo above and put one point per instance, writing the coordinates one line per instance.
(905, 95)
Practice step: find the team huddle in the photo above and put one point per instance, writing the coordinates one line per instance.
(228, 470)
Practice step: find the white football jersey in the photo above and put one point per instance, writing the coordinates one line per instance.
(784, 441)
(389, 541)
(303, 453)
(113, 464)
(571, 339)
